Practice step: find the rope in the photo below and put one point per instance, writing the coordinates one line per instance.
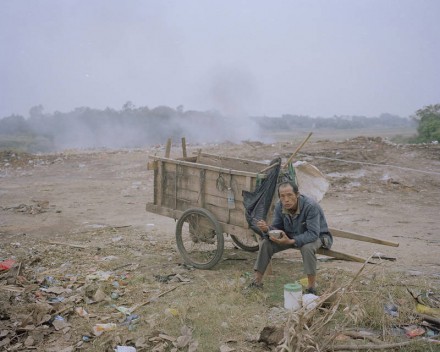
(220, 183)
(364, 163)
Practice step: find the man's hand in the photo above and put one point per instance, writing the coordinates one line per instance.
(284, 240)
(262, 225)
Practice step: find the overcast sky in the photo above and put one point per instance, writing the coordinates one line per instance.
(317, 58)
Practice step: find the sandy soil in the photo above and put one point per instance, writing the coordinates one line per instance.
(397, 201)
(380, 189)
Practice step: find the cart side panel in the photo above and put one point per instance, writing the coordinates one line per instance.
(215, 183)
(183, 187)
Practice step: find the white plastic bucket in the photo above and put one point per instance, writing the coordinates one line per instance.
(292, 296)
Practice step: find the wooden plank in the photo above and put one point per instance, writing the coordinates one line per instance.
(177, 203)
(158, 182)
(229, 163)
(191, 159)
(156, 209)
(207, 167)
(218, 199)
(184, 147)
(249, 185)
(217, 203)
(221, 213)
(168, 148)
(192, 170)
(222, 202)
(340, 255)
(202, 183)
(152, 165)
(190, 180)
(176, 214)
(237, 230)
(243, 161)
(175, 185)
(189, 195)
(363, 238)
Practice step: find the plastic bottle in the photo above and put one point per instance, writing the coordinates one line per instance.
(293, 296)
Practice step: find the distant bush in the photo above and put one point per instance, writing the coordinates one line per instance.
(429, 123)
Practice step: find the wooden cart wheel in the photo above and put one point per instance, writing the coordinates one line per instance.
(247, 244)
(199, 238)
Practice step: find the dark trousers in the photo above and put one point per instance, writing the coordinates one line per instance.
(269, 248)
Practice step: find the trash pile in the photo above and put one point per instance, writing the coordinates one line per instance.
(336, 321)
(66, 312)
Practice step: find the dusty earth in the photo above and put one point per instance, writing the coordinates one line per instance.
(69, 218)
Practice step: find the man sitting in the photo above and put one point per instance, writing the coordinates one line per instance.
(303, 226)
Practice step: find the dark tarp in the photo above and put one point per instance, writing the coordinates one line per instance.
(257, 203)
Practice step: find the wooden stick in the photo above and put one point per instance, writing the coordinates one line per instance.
(168, 148)
(122, 266)
(297, 150)
(340, 255)
(58, 312)
(291, 157)
(120, 227)
(268, 168)
(429, 318)
(369, 346)
(358, 237)
(151, 299)
(12, 288)
(184, 147)
(68, 244)
(358, 335)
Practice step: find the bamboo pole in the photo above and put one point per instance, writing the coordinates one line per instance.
(291, 157)
(297, 150)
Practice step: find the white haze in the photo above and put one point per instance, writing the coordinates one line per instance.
(240, 58)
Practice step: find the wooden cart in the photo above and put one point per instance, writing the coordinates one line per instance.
(204, 193)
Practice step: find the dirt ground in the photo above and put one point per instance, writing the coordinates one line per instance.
(69, 215)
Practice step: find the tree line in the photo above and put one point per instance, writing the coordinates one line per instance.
(132, 127)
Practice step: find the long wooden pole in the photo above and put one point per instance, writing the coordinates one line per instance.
(340, 255)
(297, 150)
(291, 157)
(363, 238)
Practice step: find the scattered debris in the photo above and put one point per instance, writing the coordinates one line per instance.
(33, 209)
(379, 255)
(99, 329)
(7, 264)
(271, 335)
(391, 309)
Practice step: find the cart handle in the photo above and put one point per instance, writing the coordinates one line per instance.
(291, 157)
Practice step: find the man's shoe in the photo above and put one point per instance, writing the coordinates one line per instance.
(311, 290)
(254, 285)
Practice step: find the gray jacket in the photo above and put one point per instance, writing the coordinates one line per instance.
(306, 225)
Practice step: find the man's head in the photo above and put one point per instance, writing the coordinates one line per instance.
(288, 194)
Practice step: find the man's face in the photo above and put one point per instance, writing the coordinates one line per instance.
(288, 198)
